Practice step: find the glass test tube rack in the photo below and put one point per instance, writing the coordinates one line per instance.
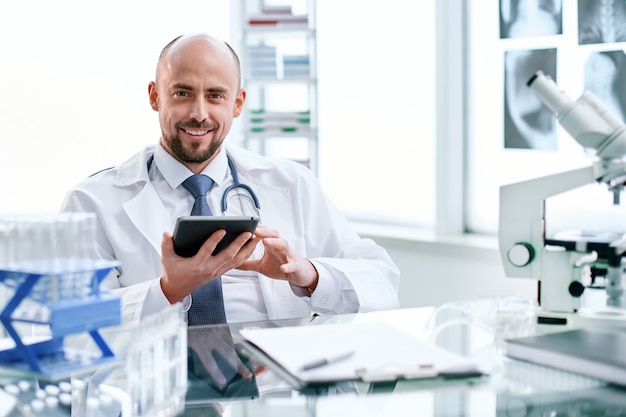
(153, 375)
(49, 276)
(66, 297)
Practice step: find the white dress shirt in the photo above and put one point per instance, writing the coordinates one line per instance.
(243, 300)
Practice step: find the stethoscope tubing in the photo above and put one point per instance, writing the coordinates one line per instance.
(236, 184)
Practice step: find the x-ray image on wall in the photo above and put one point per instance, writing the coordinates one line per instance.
(605, 76)
(526, 18)
(601, 21)
(528, 123)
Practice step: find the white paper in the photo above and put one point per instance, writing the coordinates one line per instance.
(377, 347)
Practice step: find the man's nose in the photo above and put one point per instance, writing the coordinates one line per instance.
(199, 110)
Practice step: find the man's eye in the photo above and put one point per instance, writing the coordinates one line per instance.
(181, 93)
(216, 95)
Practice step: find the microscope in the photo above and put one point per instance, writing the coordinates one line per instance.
(567, 264)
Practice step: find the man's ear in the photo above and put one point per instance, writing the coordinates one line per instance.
(239, 101)
(153, 96)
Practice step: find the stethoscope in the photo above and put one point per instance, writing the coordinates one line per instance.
(236, 184)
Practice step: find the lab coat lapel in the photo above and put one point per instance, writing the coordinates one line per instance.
(145, 210)
(150, 222)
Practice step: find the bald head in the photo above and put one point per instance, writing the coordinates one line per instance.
(198, 43)
(197, 93)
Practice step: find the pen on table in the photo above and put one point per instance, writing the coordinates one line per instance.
(318, 363)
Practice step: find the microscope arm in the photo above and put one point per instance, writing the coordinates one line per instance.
(522, 218)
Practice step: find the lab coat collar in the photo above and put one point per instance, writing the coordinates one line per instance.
(135, 169)
(245, 161)
(175, 173)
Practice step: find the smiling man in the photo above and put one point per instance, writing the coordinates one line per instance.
(304, 257)
(190, 86)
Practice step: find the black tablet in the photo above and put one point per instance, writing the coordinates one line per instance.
(191, 232)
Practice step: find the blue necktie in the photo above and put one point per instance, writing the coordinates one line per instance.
(207, 302)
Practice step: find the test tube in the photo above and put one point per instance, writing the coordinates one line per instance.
(86, 235)
(64, 242)
(6, 246)
(44, 241)
(23, 240)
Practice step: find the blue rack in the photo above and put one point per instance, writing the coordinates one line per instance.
(66, 296)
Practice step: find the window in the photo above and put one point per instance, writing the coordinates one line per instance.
(377, 108)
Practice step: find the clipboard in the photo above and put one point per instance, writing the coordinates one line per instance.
(368, 352)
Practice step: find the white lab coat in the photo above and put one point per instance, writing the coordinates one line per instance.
(132, 219)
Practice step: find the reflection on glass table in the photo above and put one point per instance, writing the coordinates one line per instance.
(226, 378)
(513, 388)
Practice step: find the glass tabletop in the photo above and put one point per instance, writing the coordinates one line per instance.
(511, 388)
(227, 378)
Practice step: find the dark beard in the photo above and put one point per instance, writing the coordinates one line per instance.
(190, 156)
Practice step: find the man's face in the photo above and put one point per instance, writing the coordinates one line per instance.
(197, 96)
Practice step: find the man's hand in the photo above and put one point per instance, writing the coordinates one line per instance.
(181, 276)
(280, 261)
(218, 359)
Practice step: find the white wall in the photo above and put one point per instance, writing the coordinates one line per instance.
(435, 271)
(74, 87)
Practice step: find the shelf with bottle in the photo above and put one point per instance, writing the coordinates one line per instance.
(271, 123)
(265, 63)
(278, 17)
(279, 72)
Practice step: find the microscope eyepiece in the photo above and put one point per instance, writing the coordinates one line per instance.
(587, 119)
(533, 78)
